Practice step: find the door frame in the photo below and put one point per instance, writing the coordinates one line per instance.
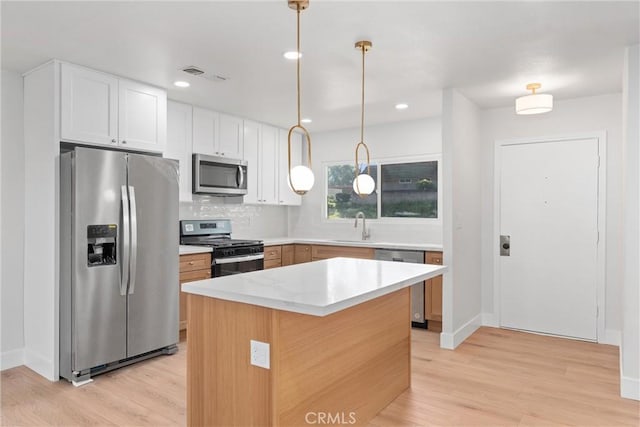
(601, 137)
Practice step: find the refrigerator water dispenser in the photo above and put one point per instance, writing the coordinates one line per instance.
(101, 245)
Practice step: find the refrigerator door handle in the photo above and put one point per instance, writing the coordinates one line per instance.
(134, 241)
(124, 259)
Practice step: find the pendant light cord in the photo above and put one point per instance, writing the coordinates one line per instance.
(298, 60)
(362, 112)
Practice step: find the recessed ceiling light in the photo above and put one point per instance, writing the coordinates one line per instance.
(292, 54)
(402, 106)
(181, 83)
(306, 120)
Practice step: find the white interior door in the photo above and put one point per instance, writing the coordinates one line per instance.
(549, 209)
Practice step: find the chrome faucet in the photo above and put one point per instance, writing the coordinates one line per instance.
(365, 233)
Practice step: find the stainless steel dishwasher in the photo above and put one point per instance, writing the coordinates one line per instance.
(417, 290)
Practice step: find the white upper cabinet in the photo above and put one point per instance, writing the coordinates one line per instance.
(269, 164)
(98, 108)
(179, 137)
(251, 131)
(231, 136)
(286, 196)
(206, 129)
(142, 116)
(89, 110)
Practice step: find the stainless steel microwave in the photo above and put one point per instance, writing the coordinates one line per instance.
(219, 176)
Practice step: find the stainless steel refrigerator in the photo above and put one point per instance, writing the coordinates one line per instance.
(118, 260)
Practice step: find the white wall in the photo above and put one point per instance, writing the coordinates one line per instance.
(247, 221)
(630, 346)
(461, 303)
(402, 139)
(12, 221)
(581, 115)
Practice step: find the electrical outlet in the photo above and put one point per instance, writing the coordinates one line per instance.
(260, 354)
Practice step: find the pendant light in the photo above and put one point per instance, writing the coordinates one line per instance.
(300, 177)
(363, 184)
(536, 103)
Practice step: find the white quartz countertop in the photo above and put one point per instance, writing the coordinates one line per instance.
(360, 243)
(316, 288)
(188, 249)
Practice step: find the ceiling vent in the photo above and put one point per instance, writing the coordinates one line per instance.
(195, 71)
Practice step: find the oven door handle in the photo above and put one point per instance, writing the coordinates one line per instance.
(242, 258)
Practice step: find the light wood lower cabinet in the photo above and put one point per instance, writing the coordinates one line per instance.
(325, 252)
(272, 256)
(192, 267)
(433, 294)
(288, 254)
(301, 253)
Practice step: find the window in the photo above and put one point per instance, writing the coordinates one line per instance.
(342, 201)
(409, 190)
(403, 190)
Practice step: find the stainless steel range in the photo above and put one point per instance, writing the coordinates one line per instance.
(229, 256)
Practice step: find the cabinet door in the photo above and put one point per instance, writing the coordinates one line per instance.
(142, 116)
(301, 253)
(231, 136)
(206, 128)
(287, 255)
(89, 106)
(286, 196)
(179, 136)
(433, 294)
(252, 156)
(269, 164)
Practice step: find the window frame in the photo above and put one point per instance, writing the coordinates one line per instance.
(379, 162)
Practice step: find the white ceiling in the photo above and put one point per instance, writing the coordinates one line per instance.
(488, 50)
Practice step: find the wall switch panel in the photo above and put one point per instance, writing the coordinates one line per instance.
(260, 354)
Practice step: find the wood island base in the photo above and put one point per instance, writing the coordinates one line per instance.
(343, 368)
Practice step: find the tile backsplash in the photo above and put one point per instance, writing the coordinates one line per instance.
(247, 221)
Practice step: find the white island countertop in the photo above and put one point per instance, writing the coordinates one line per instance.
(316, 288)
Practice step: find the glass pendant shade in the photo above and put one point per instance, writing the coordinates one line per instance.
(363, 184)
(301, 179)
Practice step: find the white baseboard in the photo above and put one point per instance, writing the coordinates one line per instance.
(489, 319)
(611, 337)
(629, 387)
(452, 340)
(39, 364)
(11, 359)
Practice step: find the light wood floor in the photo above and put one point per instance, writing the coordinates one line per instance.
(497, 377)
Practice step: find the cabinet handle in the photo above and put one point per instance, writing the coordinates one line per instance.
(124, 142)
(113, 141)
(191, 263)
(222, 154)
(217, 152)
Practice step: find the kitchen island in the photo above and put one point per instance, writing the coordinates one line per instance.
(338, 332)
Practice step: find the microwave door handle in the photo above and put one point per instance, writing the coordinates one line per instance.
(241, 173)
(134, 241)
(124, 259)
(243, 258)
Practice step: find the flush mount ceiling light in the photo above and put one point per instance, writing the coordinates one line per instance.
(181, 83)
(402, 106)
(536, 103)
(363, 184)
(300, 177)
(292, 54)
